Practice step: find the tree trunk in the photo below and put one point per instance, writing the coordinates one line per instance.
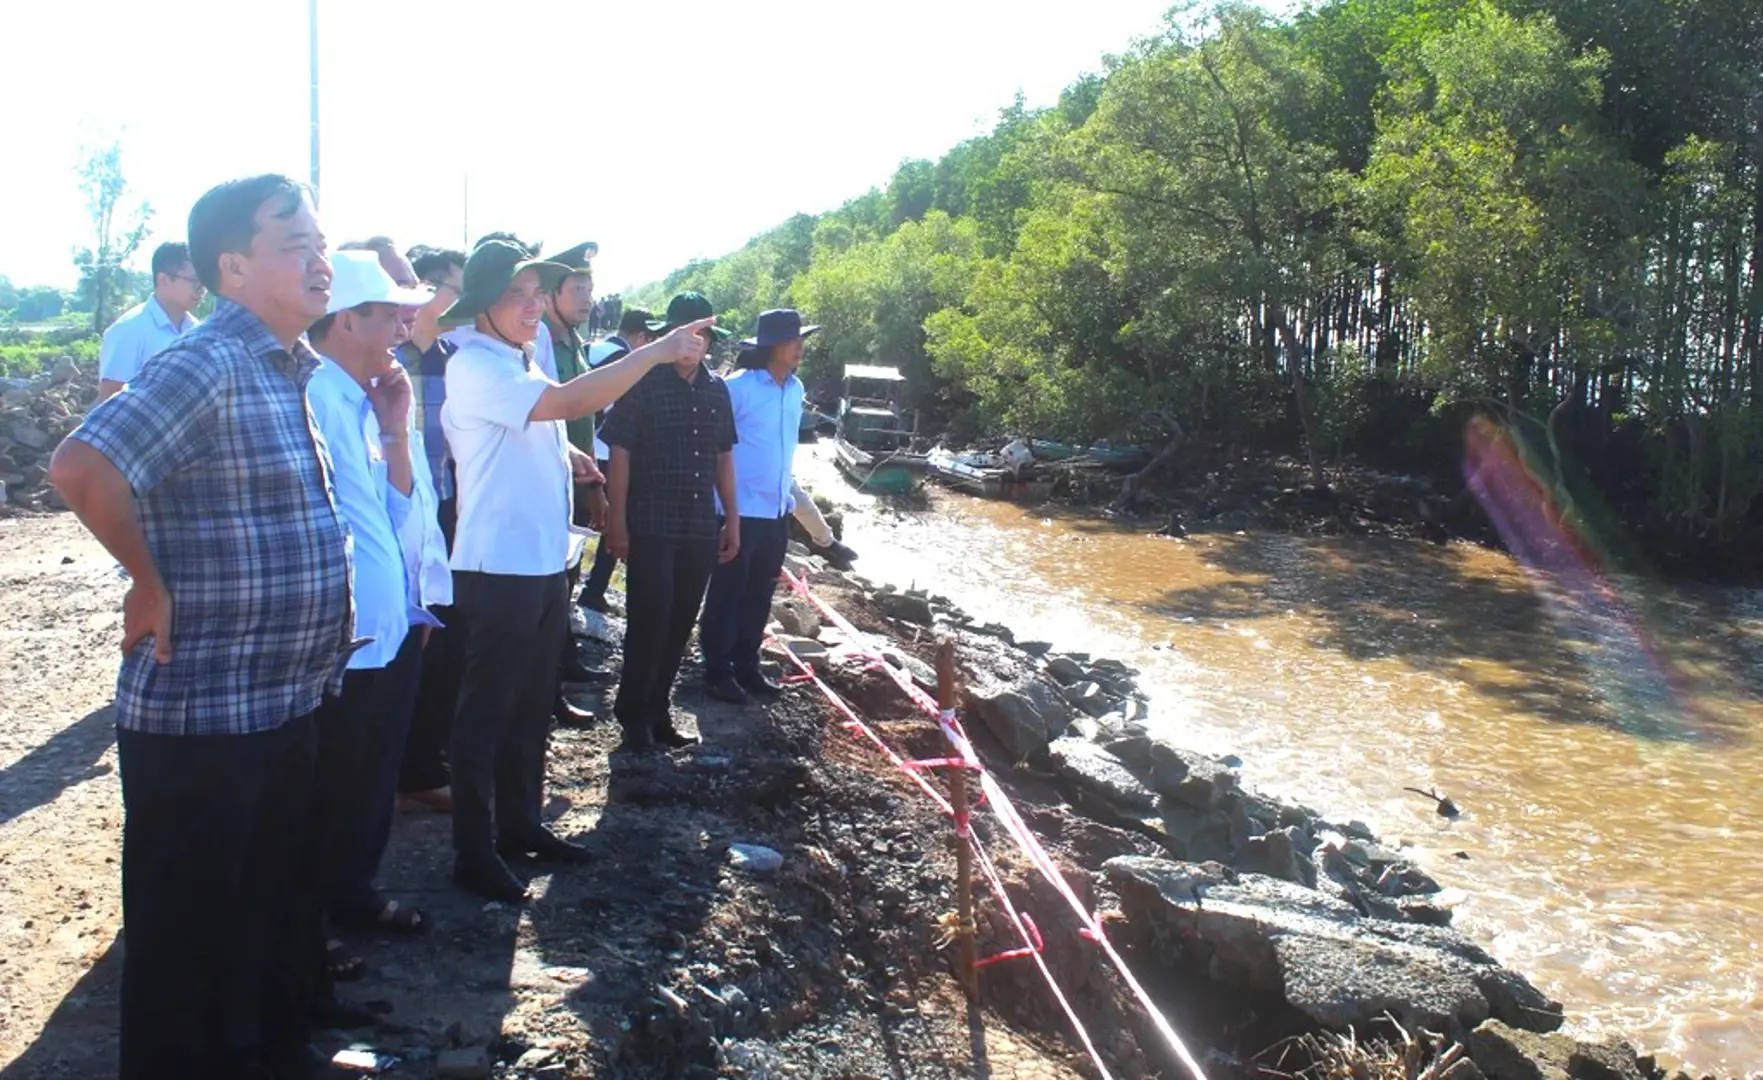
(1301, 396)
(1129, 490)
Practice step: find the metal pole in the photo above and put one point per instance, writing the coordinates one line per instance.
(312, 26)
(465, 215)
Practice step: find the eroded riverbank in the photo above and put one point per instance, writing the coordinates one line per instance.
(1603, 752)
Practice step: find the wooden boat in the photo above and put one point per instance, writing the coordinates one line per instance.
(1102, 453)
(984, 475)
(873, 445)
(886, 472)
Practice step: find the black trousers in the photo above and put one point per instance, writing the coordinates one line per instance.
(437, 697)
(218, 901)
(513, 627)
(739, 602)
(600, 573)
(361, 739)
(664, 585)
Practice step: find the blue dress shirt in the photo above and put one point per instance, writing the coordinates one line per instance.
(375, 511)
(768, 423)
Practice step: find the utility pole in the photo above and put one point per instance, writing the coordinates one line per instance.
(312, 26)
(465, 214)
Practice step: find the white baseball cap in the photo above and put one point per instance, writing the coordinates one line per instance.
(358, 278)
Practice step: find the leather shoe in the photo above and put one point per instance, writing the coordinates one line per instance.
(673, 738)
(729, 691)
(306, 1063)
(489, 878)
(547, 846)
(757, 685)
(569, 715)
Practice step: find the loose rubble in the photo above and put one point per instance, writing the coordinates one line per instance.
(35, 415)
(1247, 894)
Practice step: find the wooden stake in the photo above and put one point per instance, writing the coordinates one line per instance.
(948, 697)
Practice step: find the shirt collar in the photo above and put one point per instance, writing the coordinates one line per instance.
(331, 374)
(156, 311)
(241, 322)
(474, 336)
(563, 338)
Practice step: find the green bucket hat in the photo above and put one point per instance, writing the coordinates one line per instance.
(688, 307)
(488, 271)
(574, 261)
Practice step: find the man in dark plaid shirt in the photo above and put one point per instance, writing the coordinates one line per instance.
(205, 479)
(670, 437)
(423, 779)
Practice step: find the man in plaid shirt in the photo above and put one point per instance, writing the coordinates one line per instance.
(424, 779)
(205, 480)
(671, 438)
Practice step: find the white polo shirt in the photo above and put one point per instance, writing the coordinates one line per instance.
(515, 490)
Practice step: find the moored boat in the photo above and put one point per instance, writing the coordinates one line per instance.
(873, 444)
(985, 475)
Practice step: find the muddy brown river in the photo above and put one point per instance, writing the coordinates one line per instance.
(1605, 745)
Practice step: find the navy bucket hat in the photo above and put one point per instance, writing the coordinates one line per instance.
(776, 327)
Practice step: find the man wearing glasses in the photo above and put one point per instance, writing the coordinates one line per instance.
(143, 330)
(423, 780)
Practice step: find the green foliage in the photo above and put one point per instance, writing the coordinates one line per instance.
(1341, 232)
(24, 355)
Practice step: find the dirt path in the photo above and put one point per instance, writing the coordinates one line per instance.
(60, 802)
(662, 959)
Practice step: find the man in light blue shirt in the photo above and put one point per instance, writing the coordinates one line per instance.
(767, 400)
(360, 399)
(143, 330)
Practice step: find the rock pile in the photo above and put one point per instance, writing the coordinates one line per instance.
(35, 415)
(1259, 896)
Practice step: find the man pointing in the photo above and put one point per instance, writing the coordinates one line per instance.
(504, 422)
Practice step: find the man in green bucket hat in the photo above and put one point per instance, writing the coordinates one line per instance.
(505, 424)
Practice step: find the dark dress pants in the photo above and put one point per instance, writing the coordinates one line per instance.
(219, 910)
(431, 723)
(738, 605)
(514, 626)
(600, 573)
(361, 740)
(664, 585)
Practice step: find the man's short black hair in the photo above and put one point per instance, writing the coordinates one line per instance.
(168, 259)
(532, 250)
(634, 321)
(321, 329)
(431, 264)
(224, 220)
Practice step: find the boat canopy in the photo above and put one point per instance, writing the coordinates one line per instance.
(880, 374)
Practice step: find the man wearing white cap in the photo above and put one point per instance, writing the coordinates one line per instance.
(360, 398)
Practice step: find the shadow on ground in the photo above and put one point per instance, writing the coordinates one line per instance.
(71, 756)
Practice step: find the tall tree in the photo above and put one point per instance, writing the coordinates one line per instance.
(117, 233)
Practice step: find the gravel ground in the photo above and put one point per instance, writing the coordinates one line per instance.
(660, 959)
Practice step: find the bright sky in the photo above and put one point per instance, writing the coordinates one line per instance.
(664, 131)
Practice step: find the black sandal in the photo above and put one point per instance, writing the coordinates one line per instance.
(339, 966)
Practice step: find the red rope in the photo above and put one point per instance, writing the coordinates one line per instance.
(1013, 823)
